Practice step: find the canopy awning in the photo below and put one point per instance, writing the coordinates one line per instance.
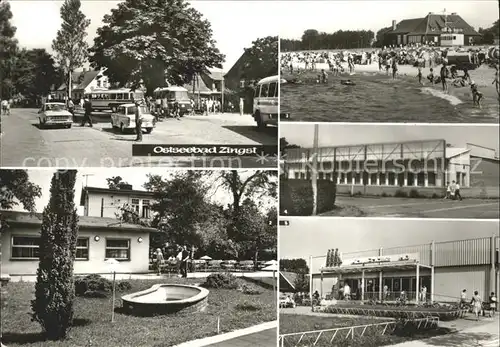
(375, 267)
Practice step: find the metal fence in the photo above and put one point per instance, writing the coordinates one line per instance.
(318, 337)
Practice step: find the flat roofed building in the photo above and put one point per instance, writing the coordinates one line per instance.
(444, 268)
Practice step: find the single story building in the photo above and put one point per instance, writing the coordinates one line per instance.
(444, 268)
(98, 240)
(374, 169)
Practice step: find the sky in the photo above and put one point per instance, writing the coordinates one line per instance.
(96, 177)
(331, 134)
(306, 237)
(330, 16)
(232, 22)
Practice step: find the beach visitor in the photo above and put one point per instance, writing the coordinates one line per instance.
(158, 260)
(495, 81)
(477, 96)
(430, 76)
(463, 298)
(394, 68)
(419, 75)
(466, 76)
(444, 76)
(457, 192)
(324, 76)
(476, 303)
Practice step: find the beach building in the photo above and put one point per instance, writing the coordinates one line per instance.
(438, 29)
(98, 239)
(378, 168)
(444, 268)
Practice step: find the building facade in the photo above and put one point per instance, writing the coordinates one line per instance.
(98, 239)
(444, 268)
(437, 29)
(83, 82)
(107, 203)
(386, 167)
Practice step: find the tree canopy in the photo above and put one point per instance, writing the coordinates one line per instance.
(70, 46)
(154, 42)
(489, 34)
(294, 265)
(314, 40)
(262, 58)
(116, 182)
(8, 47)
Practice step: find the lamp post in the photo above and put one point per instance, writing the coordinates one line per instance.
(113, 264)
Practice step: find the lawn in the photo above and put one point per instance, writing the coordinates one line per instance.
(93, 327)
(290, 323)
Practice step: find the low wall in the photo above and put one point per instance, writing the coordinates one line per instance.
(436, 192)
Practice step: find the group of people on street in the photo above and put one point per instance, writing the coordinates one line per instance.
(182, 260)
(452, 191)
(6, 105)
(477, 305)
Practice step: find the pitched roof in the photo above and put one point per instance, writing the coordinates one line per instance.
(88, 77)
(287, 280)
(453, 152)
(406, 26)
(84, 222)
(434, 24)
(200, 85)
(216, 74)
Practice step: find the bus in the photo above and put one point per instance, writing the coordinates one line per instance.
(110, 99)
(265, 102)
(168, 95)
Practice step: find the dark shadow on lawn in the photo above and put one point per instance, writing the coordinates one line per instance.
(22, 338)
(460, 339)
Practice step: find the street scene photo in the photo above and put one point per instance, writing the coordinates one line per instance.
(414, 171)
(390, 61)
(404, 283)
(103, 83)
(138, 257)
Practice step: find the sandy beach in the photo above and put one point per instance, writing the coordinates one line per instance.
(459, 98)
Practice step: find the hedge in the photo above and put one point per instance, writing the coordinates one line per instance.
(296, 197)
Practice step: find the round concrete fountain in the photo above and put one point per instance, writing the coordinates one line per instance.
(166, 299)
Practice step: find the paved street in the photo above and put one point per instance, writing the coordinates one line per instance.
(266, 338)
(416, 208)
(23, 144)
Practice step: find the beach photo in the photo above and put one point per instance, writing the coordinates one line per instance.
(396, 170)
(91, 87)
(138, 257)
(390, 61)
(404, 283)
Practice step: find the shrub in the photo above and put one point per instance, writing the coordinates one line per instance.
(247, 307)
(414, 194)
(435, 196)
(123, 286)
(250, 290)
(296, 196)
(95, 294)
(93, 283)
(54, 288)
(400, 194)
(221, 281)
(384, 195)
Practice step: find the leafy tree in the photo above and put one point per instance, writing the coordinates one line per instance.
(294, 265)
(70, 45)
(8, 46)
(489, 34)
(262, 58)
(35, 73)
(380, 37)
(144, 37)
(15, 188)
(54, 289)
(181, 206)
(116, 182)
(253, 232)
(301, 282)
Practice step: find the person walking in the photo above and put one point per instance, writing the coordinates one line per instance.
(241, 106)
(138, 121)
(457, 192)
(5, 102)
(158, 260)
(423, 294)
(444, 75)
(463, 298)
(87, 105)
(385, 293)
(184, 261)
(477, 304)
(71, 108)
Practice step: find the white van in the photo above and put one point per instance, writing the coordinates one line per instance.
(265, 102)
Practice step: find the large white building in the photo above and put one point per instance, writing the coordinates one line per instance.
(386, 167)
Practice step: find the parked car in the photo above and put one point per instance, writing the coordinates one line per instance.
(54, 114)
(247, 265)
(124, 118)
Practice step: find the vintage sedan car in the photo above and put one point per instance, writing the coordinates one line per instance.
(124, 118)
(54, 114)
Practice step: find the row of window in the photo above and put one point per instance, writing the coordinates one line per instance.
(28, 247)
(146, 208)
(267, 90)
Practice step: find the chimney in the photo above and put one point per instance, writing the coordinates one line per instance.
(453, 13)
(393, 25)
